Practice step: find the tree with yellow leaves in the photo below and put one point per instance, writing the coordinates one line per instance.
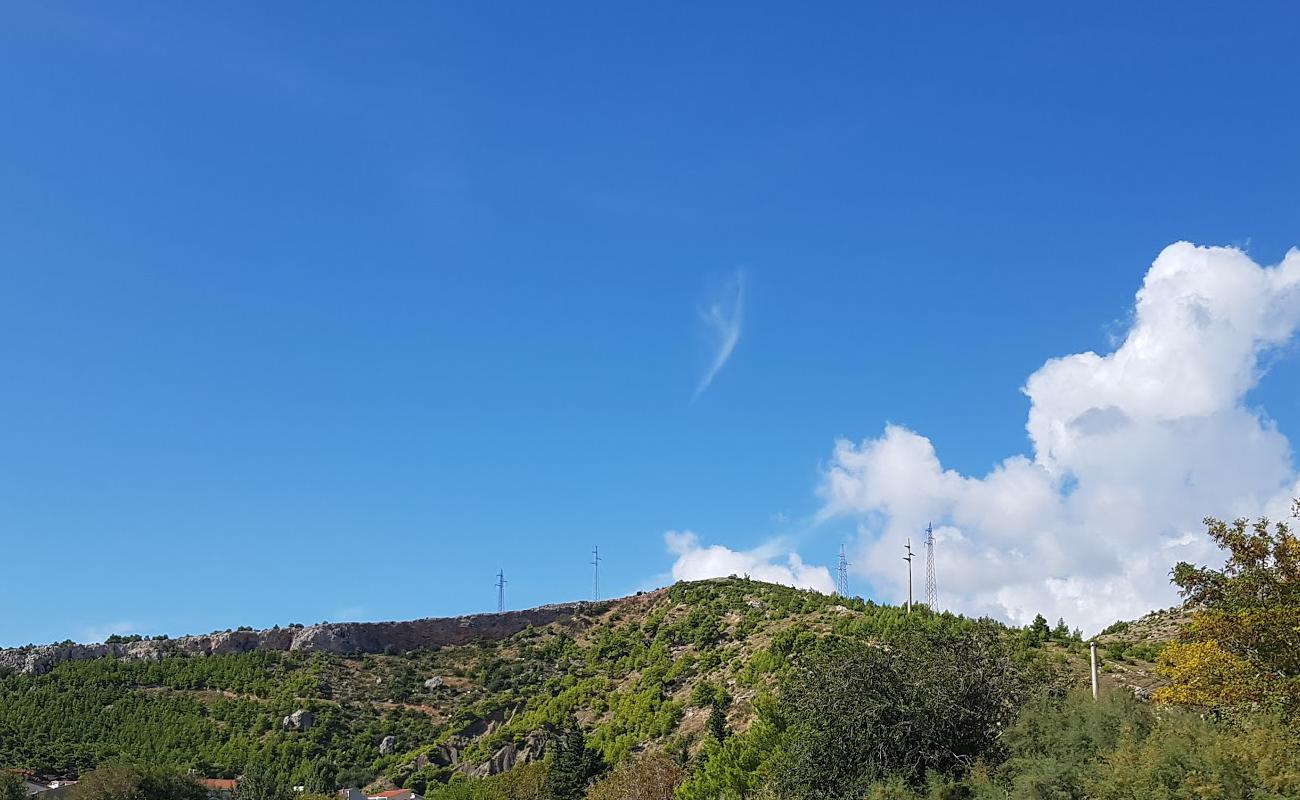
(1243, 645)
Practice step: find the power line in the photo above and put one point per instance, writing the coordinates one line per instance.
(931, 584)
(842, 587)
(501, 590)
(595, 572)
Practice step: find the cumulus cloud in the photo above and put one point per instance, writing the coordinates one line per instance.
(696, 562)
(1130, 451)
(722, 322)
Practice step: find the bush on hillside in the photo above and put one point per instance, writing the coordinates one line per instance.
(137, 783)
(653, 776)
(922, 702)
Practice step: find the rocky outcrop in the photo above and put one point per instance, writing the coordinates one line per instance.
(387, 745)
(300, 720)
(337, 637)
(510, 755)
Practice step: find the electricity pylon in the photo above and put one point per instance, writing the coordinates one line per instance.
(931, 584)
(842, 587)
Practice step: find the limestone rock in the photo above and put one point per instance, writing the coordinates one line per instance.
(434, 683)
(300, 720)
(339, 637)
(388, 745)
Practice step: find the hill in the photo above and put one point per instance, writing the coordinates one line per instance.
(415, 703)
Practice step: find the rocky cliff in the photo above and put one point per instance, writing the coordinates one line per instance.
(330, 637)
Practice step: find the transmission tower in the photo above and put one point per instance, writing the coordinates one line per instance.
(501, 590)
(931, 585)
(595, 572)
(908, 559)
(842, 587)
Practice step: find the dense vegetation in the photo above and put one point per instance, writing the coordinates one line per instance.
(1243, 644)
(721, 689)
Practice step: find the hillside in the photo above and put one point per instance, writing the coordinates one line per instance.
(473, 696)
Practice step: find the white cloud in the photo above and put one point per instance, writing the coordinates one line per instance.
(722, 319)
(695, 562)
(1130, 451)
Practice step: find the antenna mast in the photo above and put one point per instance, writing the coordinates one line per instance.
(501, 590)
(931, 585)
(595, 572)
(842, 588)
(908, 559)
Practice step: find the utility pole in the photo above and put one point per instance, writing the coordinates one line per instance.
(931, 585)
(1092, 652)
(501, 590)
(842, 588)
(595, 572)
(908, 559)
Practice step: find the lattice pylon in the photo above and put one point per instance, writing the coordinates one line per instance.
(931, 584)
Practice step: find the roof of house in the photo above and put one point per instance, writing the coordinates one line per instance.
(220, 784)
(392, 793)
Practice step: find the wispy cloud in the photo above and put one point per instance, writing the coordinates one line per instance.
(349, 614)
(722, 321)
(94, 634)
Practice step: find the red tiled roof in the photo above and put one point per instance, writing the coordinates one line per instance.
(219, 784)
(391, 793)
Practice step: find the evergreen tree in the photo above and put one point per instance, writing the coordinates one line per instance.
(11, 787)
(1038, 629)
(1061, 632)
(137, 783)
(262, 782)
(718, 722)
(572, 766)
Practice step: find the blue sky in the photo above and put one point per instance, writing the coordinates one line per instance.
(324, 311)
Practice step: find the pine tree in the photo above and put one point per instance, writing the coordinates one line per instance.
(1038, 628)
(1061, 632)
(11, 787)
(718, 722)
(572, 766)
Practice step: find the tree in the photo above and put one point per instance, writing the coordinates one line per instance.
(572, 766)
(137, 783)
(1038, 629)
(654, 776)
(262, 782)
(717, 700)
(11, 787)
(924, 701)
(1241, 646)
(1061, 632)
(718, 722)
(317, 777)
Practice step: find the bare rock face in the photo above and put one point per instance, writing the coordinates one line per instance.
(300, 720)
(342, 637)
(511, 755)
(387, 745)
(433, 683)
(40, 660)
